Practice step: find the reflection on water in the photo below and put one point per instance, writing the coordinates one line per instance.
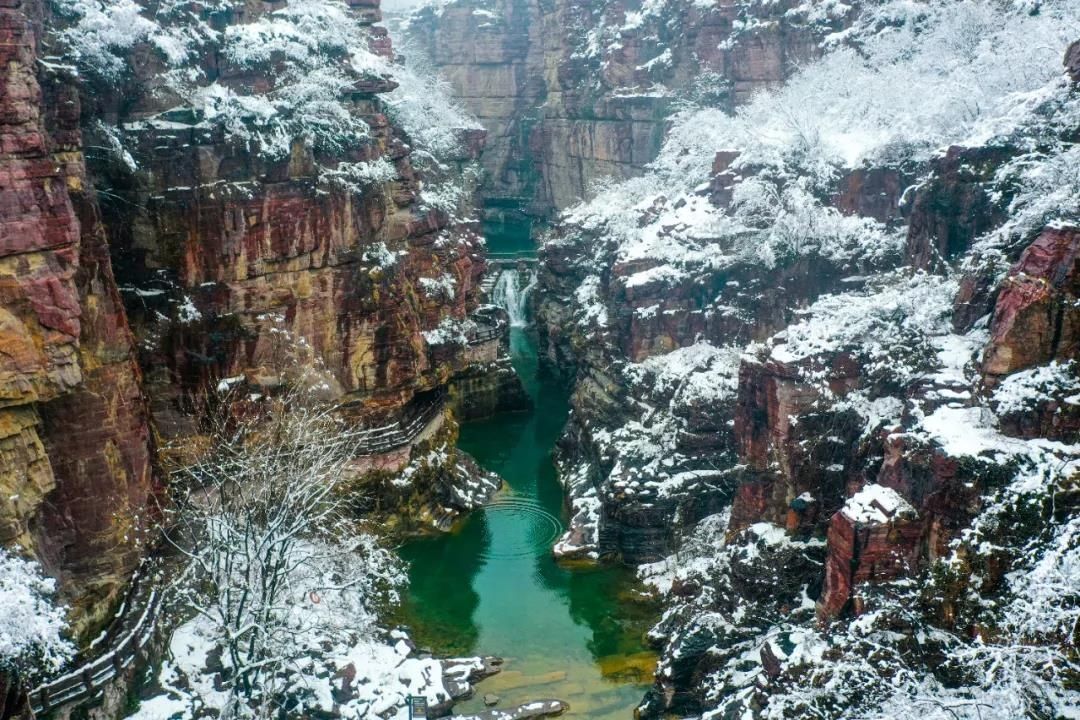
(492, 586)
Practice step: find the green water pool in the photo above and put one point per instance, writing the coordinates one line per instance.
(492, 587)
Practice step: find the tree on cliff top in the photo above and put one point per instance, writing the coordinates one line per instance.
(312, 53)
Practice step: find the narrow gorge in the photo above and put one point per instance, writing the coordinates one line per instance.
(502, 359)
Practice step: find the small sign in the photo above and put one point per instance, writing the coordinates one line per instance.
(417, 707)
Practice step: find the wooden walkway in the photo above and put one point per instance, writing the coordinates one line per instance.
(132, 628)
(501, 261)
(489, 327)
(136, 621)
(402, 431)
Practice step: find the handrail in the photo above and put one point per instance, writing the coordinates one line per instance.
(85, 681)
(488, 328)
(403, 431)
(88, 679)
(486, 335)
(512, 253)
(511, 260)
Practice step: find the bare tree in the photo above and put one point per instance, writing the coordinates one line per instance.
(277, 569)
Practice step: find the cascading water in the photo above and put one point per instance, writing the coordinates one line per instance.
(509, 295)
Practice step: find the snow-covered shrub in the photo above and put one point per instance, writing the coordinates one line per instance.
(990, 630)
(986, 633)
(313, 53)
(32, 626)
(103, 31)
(911, 655)
(727, 597)
(442, 287)
(312, 50)
(433, 122)
(914, 75)
(1025, 390)
(1042, 187)
(905, 80)
(888, 328)
(698, 373)
(449, 331)
(357, 177)
(449, 190)
(793, 224)
(319, 50)
(423, 106)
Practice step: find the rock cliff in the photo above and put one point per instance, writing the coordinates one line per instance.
(574, 93)
(327, 240)
(220, 191)
(77, 476)
(799, 385)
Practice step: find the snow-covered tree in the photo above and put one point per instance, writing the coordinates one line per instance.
(277, 568)
(312, 51)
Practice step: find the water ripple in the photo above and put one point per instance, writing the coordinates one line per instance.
(532, 533)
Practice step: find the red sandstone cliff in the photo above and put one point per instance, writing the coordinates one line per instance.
(221, 248)
(225, 256)
(77, 476)
(881, 402)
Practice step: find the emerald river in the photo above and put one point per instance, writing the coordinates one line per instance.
(492, 587)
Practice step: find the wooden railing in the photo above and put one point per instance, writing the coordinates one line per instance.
(488, 328)
(403, 431)
(512, 255)
(486, 334)
(86, 681)
(509, 259)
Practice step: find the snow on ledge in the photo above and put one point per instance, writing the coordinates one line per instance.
(877, 504)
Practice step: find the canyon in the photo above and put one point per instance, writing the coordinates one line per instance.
(787, 292)
(713, 379)
(576, 93)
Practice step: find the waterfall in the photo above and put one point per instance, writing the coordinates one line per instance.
(509, 295)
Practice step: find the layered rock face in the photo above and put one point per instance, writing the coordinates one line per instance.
(654, 335)
(573, 93)
(237, 247)
(665, 356)
(233, 250)
(77, 476)
(1033, 321)
(806, 388)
